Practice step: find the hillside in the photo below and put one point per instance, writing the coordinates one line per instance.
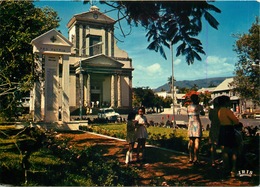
(201, 83)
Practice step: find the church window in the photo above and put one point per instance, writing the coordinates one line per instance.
(95, 49)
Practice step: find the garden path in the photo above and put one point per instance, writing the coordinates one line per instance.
(162, 165)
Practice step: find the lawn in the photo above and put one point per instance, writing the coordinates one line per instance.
(170, 138)
(120, 128)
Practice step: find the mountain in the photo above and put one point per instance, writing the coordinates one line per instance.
(201, 83)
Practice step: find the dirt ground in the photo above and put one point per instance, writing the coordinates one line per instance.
(162, 166)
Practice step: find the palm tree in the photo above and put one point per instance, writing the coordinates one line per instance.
(195, 87)
(170, 82)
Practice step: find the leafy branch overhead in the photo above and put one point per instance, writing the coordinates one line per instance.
(168, 23)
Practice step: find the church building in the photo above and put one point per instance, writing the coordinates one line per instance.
(84, 71)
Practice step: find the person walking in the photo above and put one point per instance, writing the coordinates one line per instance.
(194, 111)
(214, 130)
(227, 138)
(130, 136)
(141, 132)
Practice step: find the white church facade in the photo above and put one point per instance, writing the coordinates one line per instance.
(85, 70)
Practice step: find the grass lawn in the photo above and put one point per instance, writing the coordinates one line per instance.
(175, 139)
(120, 128)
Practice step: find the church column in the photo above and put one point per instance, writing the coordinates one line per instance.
(85, 90)
(112, 91)
(88, 91)
(130, 91)
(65, 89)
(77, 38)
(119, 104)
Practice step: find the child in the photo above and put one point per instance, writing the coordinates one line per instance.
(214, 130)
(130, 136)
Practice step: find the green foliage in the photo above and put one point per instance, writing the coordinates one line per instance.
(173, 142)
(146, 97)
(54, 158)
(111, 129)
(20, 22)
(247, 80)
(205, 98)
(139, 96)
(169, 22)
(175, 139)
(183, 90)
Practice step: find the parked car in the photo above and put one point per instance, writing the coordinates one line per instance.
(108, 114)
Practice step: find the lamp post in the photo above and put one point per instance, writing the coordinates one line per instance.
(81, 78)
(173, 95)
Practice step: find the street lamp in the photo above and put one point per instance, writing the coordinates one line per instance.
(173, 107)
(81, 78)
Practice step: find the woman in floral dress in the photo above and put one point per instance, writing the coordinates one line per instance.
(194, 111)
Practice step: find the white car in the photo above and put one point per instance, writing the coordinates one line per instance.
(108, 114)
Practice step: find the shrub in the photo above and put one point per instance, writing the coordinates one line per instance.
(37, 155)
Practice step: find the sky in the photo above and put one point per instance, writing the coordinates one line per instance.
(150, 68)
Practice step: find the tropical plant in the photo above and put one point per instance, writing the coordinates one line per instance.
(169, 80)
(146, 97)
(205, 98)
(143, 97)
(183, 90)
(246, 79)
(187, 96)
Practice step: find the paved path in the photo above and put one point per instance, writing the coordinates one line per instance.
(162, 165)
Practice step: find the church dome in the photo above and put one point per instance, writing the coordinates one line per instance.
(94, 8)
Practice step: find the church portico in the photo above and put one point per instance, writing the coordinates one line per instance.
(102, 84)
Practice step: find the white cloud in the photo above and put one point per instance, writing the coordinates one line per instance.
(217, 66)
(154, 69)
(151, 76)
(149, 70)
(215, 60)
(212, 66)
(177, 61)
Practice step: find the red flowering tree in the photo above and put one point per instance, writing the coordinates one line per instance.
(187, 97)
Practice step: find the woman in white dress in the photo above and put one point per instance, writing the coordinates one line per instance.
(141, 131)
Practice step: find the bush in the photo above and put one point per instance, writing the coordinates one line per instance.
(37, 155)
(173, 142)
